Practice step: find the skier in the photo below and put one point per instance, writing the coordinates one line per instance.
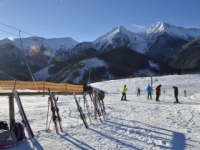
(158, 92)
(185, 93)
(138, 91)
(124, 89)
(149, 90)
(176, 94)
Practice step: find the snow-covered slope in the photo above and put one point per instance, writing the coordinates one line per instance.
(136, 124)
(43, 74)
(85, 65)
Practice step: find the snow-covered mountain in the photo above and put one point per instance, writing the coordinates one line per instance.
(162, 27)
(160, 42)
(63, 55)
(141, 42)
(117, 63)
(39, 53)
(188, 57)
(120, 37)
(32, 45)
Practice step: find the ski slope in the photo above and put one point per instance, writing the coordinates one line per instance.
(130, 125)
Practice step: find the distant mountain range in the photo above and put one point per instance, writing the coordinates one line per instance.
(163, 48)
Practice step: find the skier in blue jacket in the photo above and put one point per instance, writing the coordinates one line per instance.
(149, 90)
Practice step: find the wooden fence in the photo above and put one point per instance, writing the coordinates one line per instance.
(40, 86)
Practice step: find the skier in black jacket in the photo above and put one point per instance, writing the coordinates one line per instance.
(176, 94)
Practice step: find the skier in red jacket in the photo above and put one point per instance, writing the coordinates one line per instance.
(158, 92)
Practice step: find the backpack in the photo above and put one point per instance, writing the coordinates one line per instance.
(7, 139)
(18, 129)
(3, 125)
(101, 95)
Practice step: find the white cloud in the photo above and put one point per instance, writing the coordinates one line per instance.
(139, 26)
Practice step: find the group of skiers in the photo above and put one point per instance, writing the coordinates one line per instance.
(149, 92)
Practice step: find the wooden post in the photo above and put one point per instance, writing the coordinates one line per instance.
(95, 101)
(43, 87)
(11, 109)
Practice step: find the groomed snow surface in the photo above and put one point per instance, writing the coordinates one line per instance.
(134, 124)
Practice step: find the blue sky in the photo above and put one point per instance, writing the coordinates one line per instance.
(86, 20)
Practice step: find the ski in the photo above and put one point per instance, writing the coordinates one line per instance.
(100, 106)
(57, 111)
(82, 115)
(53, 109)
(96, 107)
(87, 107)
(23, 115)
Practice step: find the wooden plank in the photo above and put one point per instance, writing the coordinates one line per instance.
(11, 109)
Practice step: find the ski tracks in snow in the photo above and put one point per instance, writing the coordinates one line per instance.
(134, 124)
(150, 130)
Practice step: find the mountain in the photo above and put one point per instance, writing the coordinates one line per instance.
(32, 45)
(120, 37)
(59, 58)
(4, 76)
(38, 51)
(164, 40)
(188, 58)
(180, 32)
(117, 63)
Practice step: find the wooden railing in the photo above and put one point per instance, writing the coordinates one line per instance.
(40, 86)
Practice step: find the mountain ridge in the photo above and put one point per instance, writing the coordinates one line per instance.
(160, 43)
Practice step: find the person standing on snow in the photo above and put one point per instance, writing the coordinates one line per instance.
(176, 94)
(149, 90)
(185, 93)
(124, 89)
(158, 92)
(138, 91)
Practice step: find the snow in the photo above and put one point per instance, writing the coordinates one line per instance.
(181, 32)
(43, 74)
(154, 65)
(143, 72)
(87, 65)
(137, 41)
(134, 124)
(93, 62)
